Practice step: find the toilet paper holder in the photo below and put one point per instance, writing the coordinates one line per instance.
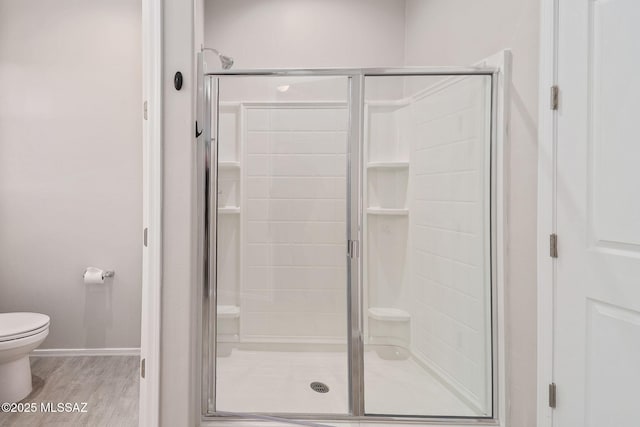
(105, 273)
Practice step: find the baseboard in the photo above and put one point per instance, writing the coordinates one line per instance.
(70, 352)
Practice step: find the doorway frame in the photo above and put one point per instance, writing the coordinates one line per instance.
(546, 224)
(151, 233)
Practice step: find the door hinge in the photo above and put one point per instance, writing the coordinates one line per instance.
(552, 395)
(143, 365)
(553, 245)
(352, 248)
(145, 110)
(145, 233)
(554, 97)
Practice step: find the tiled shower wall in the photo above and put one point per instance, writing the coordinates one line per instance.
(449, 234)
(294, 220)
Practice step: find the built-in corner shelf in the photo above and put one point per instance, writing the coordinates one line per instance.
(388, 211)
(389, 314)
(227, 210)
(388, 165)
(228, 312)
(228, 165)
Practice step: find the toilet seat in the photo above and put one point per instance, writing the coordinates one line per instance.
(14, 326)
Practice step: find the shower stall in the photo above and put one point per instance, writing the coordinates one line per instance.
(347, 237)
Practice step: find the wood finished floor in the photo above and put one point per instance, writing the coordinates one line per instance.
(109, 386)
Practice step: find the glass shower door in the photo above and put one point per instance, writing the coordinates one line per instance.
(350, 234)
(427, 246)
(279, 179)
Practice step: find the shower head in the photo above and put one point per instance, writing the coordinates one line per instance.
(226, 61)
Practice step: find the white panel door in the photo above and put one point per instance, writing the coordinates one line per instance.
(597, 313)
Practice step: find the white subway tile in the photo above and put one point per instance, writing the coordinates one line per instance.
(259, 142)
(296, 210)
(294, 301)
(295, 255)
(461, 217)
(318, 119)
(258, 165)
(464, 155)
(310, 277)
(457, 186)
(291, 325)
(297, 142)
(465, 248)
(460, 126)
(297, 232)
(297, 188)
(258, 119)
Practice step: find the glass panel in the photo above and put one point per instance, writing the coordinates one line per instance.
(281, 260)
(427, 246)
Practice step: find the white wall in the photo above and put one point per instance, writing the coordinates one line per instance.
(71, 167)
(179, 403)
(306, 33)
(459, 32)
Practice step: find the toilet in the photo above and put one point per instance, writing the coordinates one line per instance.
(20, 333)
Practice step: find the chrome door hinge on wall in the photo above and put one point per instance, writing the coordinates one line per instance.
(554, 97)
(352, 248)
(143, 366)
(145, 110)
(553, 245)
(552, 395)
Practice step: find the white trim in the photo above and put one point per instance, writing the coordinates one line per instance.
(546, 208)
(77, 352)
(502, 61)
(152, 212)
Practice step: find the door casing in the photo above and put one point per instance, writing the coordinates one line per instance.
(547, 122)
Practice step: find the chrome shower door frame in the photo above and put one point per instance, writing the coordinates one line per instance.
(207, 172)
(207, 184)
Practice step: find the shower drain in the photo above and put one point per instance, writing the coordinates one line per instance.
(319, 387)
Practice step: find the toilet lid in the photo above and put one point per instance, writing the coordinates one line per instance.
(19, 325)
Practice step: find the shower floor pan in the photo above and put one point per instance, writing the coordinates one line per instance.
(251, 380)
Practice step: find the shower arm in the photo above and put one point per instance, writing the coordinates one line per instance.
(226, 61)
